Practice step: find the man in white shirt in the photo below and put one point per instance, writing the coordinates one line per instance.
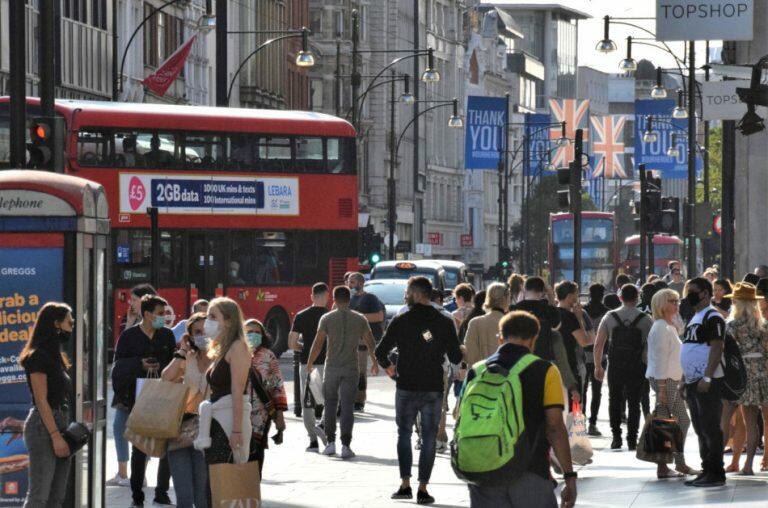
(701, 355)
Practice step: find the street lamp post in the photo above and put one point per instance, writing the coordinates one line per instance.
(606, 45)
(455, 122)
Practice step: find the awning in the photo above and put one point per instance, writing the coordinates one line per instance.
(507, 25)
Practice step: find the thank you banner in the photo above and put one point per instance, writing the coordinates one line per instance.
(654, 155)
(486, 118)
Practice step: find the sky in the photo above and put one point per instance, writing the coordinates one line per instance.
(591, 31)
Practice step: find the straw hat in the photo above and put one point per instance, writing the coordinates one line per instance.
(744, 291)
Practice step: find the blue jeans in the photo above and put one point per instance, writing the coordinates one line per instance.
(408, 404)
(118, 429)
(190, 477)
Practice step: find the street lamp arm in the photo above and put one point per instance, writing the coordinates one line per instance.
(297, 33)
(135, 32)
(415, 54)
(361, 99)
(405, 129)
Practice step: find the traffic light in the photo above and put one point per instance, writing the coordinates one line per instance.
(670, 216)
(652, 204)
(46, 146)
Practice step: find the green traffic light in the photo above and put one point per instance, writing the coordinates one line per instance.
(375, 258)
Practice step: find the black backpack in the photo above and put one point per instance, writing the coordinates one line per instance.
(625, 352)
(734, 370)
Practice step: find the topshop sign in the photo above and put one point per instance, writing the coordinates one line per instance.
(701, 20)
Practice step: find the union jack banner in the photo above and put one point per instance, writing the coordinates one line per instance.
(575, 114)
(608, 146)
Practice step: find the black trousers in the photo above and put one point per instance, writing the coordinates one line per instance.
(597, 387)
(139, 468)
(621, 384)
(706, 410)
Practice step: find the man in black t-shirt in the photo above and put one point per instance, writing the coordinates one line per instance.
(143, 349)
(371, 307)
(574, 327)
(300, 339)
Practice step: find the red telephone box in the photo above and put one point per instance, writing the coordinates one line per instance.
(54, 232)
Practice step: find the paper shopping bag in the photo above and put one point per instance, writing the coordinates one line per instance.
(151, 446)
(235, 485)
(159, 409)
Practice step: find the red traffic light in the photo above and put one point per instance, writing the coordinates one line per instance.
(40, 132)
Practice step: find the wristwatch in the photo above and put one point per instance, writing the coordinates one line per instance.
(570, 474)
(707, 379)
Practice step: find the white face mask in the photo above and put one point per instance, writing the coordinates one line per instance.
(201, 342)
(211, 328)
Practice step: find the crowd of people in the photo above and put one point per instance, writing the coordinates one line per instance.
(665, 335)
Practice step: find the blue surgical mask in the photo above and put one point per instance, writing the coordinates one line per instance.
(254, 339)
(158, 322)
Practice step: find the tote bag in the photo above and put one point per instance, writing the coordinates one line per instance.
(235, 485)
(159, 409)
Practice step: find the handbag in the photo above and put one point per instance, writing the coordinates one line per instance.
(190, 427)
(76, 435)
(660, 440)
(235, 484)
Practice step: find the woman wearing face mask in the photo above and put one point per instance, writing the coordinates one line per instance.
(45, 366)
(225, 425)
(188, 468)
(268, 399)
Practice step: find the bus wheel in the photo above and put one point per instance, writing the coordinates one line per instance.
(278, 327)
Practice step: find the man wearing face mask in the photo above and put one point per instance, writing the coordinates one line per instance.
(143, 350)
(701, 355)
(371, 307)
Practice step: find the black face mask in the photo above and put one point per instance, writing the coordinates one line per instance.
(693, 299)
(63, 336)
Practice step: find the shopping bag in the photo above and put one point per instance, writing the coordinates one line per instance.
(316, 385)
(235, 485)
(159, 409)
(660, 439)
(581, 448)
(151, 446)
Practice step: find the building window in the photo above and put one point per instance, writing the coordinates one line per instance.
(163, 34)
(76, 10)
(99, 14)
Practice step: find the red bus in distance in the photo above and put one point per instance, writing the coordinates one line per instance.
(599, 248)
(665, 249)
(253, 204)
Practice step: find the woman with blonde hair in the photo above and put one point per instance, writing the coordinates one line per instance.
(665, 371)
(481, 340)
(225, 425)
(745, 325)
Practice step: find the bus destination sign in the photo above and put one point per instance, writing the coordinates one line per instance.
(208, 194)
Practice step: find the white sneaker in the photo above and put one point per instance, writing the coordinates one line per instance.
(118, 481)
(346, 452)
(320, 432)
(330, 449)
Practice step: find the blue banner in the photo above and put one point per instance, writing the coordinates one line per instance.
(654, 155)
(537, 134)
(486, 118)
(29, 277)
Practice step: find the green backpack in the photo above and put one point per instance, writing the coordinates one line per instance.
(489, 443)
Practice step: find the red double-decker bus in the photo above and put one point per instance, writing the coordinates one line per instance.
(599, 248)
(253, 204)
(665, 249)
